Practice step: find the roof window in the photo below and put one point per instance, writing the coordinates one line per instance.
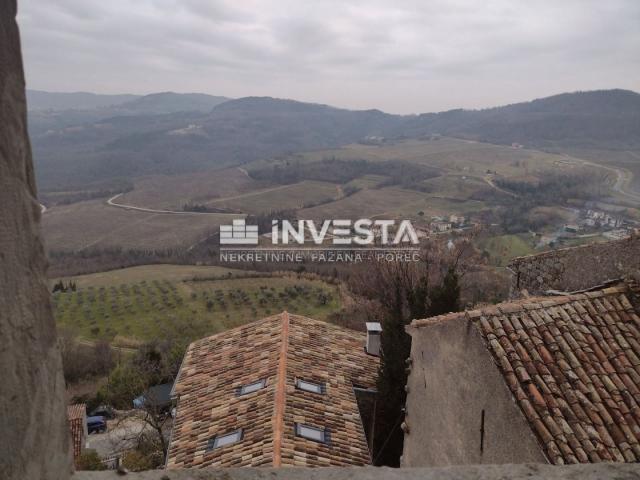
(222, 440)
(310, 386)
(252, 387)
(312, 433)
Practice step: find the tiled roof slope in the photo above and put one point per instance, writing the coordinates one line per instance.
(76, 411)
(573, 365)
(278, 349)
(76, 417)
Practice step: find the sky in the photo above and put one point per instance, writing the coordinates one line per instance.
(398, 56)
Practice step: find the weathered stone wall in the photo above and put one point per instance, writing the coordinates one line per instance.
(577, 268)
(34, 439)
(453, 380)
(599, 471)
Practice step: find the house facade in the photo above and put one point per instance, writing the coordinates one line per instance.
(547, 379)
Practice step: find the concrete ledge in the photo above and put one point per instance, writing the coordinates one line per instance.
(619, 471)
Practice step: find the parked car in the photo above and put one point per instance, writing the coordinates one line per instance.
(157, 397)
(96, 424)
(103, 411)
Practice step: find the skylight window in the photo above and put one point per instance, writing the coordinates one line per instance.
(222, 440)
(312, 433)
(252, 387)
(309, 386)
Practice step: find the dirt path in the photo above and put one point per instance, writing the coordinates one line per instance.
(489, 181)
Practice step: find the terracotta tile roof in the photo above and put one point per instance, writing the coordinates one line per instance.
(573, 365)
(76, 411)
(76, 415)
(278, 349)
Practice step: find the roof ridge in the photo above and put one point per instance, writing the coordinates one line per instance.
(530, 303)
(280, 396)
(325, 323)
(231, 330)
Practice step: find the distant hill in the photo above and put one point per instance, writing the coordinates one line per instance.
(175, 133)
(169, 102)
(40, 100)
(603, 119)
(57, 111)
(163, 102)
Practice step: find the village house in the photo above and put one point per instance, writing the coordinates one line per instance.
(457, 220)
(595, 218)
(281, 391)
(546, 379)
(440, 227)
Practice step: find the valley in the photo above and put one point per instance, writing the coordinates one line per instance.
(157, 178)
(356, 181)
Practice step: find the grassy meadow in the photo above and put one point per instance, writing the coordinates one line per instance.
(503, 248)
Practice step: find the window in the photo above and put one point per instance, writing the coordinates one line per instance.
(222, 440)
(252, 387)
(310, 386)
(312, 433)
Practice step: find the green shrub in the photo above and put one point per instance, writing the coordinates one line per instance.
(90, 460)
(136, 461)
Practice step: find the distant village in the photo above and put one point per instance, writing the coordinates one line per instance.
(611, 225)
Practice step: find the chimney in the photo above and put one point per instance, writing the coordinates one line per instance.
(374, 329)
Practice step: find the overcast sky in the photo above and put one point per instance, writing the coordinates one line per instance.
(398, 56)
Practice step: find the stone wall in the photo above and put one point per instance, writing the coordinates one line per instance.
(485, 472)
(34, 437)
(577, 268)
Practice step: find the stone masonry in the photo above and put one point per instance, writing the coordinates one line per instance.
(34, 437)
(577, 268)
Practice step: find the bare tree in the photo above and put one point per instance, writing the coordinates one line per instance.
(404, 291)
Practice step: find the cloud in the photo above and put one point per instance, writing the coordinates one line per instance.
(400, 56)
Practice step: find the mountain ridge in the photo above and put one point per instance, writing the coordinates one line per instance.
(250, 128)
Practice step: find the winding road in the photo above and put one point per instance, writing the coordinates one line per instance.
(169, 212)
(623, 178)
(621, 186)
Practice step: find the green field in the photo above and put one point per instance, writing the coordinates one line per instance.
(366, 203)
(172, 273)
(147, 305)
(450, 155)
(172, 192)
(94, 224)
(503, 248)
(458, 186)
(367, 181)
(281, 198)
